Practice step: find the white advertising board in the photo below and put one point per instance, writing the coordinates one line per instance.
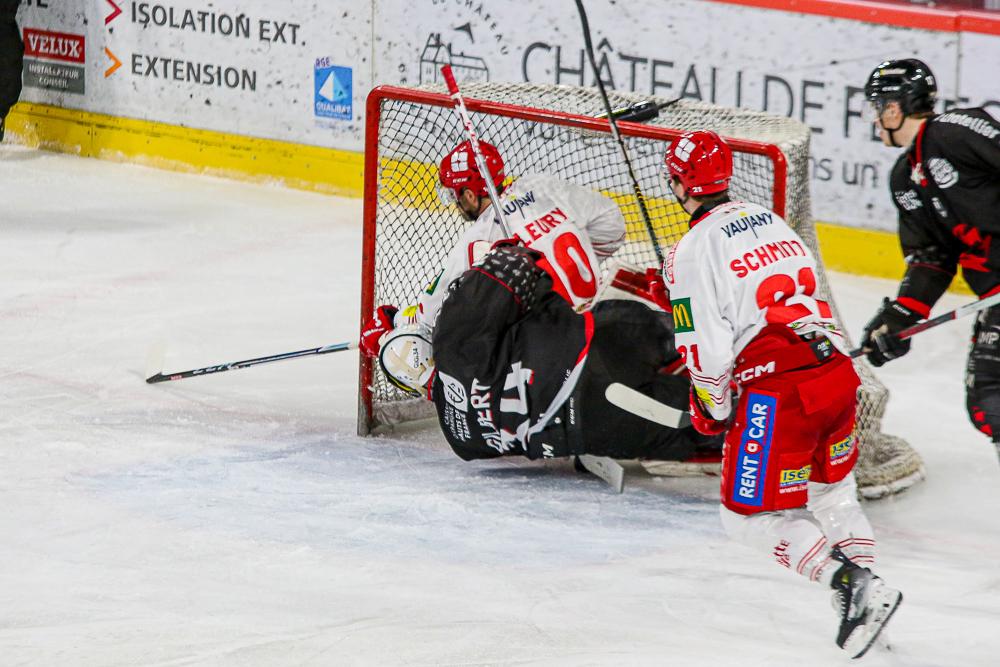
(296, 70)
(299, 70)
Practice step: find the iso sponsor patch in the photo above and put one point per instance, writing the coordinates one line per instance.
(334, 90)
(755, 443)
(794, 479)
(841, 450)
(683, 316)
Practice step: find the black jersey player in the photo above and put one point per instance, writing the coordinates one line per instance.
(946, 187)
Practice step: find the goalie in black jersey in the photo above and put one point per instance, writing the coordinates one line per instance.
(946, 187)
(516, 371)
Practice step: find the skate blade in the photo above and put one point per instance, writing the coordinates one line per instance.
(881, 606)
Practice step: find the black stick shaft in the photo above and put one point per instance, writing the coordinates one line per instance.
(247, 363)
(640, 198)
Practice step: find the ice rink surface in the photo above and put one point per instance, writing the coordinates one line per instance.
(237, 520)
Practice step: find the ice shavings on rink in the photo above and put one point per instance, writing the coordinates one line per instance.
(237, 520)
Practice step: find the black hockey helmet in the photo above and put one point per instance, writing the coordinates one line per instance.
(909, 82)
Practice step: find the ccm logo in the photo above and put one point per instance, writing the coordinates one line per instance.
(756, 372)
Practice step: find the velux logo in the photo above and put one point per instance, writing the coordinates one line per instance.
(54, 45)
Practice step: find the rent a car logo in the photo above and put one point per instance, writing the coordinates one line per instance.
(751, 461)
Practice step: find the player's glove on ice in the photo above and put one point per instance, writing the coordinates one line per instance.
(880, 338)
(702, 420)
(375, 328)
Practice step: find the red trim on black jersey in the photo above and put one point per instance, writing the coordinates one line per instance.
(916, 156)
(919, 307)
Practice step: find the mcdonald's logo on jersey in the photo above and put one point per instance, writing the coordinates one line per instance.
(683, 319)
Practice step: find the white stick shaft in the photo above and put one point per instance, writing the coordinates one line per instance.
(961, 311)
(470, 132)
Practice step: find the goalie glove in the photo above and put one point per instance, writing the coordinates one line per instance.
(375, 328)
(879, 337)
(702, 420)
(517, 269)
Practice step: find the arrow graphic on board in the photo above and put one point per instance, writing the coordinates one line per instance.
(117, 63)
(113, 15)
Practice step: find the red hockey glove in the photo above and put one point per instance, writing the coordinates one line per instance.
(702, 420)
(374, 328)
(657, 289)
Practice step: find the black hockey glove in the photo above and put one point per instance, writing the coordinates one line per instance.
(879, 337)
(515, 267)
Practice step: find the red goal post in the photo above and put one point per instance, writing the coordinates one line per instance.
(552, 129)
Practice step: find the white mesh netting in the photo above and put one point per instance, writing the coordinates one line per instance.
(409, 233)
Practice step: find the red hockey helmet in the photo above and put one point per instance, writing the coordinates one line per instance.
(458, 169)
(701, 161)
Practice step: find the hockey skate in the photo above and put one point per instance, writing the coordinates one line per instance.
(865, 605)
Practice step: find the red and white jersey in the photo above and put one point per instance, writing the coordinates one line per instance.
(574, 227)
(739, 268)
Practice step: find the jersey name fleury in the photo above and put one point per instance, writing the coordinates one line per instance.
(540, 210)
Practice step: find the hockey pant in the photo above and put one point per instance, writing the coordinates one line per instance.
(793, 538)
(982, 374)
(788, 429)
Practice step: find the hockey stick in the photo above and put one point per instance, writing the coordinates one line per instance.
(470, 133)
(247, 363)
(639, 404)
(961, 311)
(639, 197)
(606, 468)
(640, 112)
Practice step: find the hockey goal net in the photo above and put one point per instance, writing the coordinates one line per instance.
(551, 129)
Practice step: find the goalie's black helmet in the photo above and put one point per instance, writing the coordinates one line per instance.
(909, 82)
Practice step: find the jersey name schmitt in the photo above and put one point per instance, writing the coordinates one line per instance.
(747, 222)
(765, 254)
(977, 125)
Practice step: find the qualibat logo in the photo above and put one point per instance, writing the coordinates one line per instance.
(333, 88)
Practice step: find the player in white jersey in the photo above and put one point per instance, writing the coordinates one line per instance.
(768, 368)
(573, 227)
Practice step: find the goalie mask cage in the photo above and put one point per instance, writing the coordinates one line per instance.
(551, 129)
